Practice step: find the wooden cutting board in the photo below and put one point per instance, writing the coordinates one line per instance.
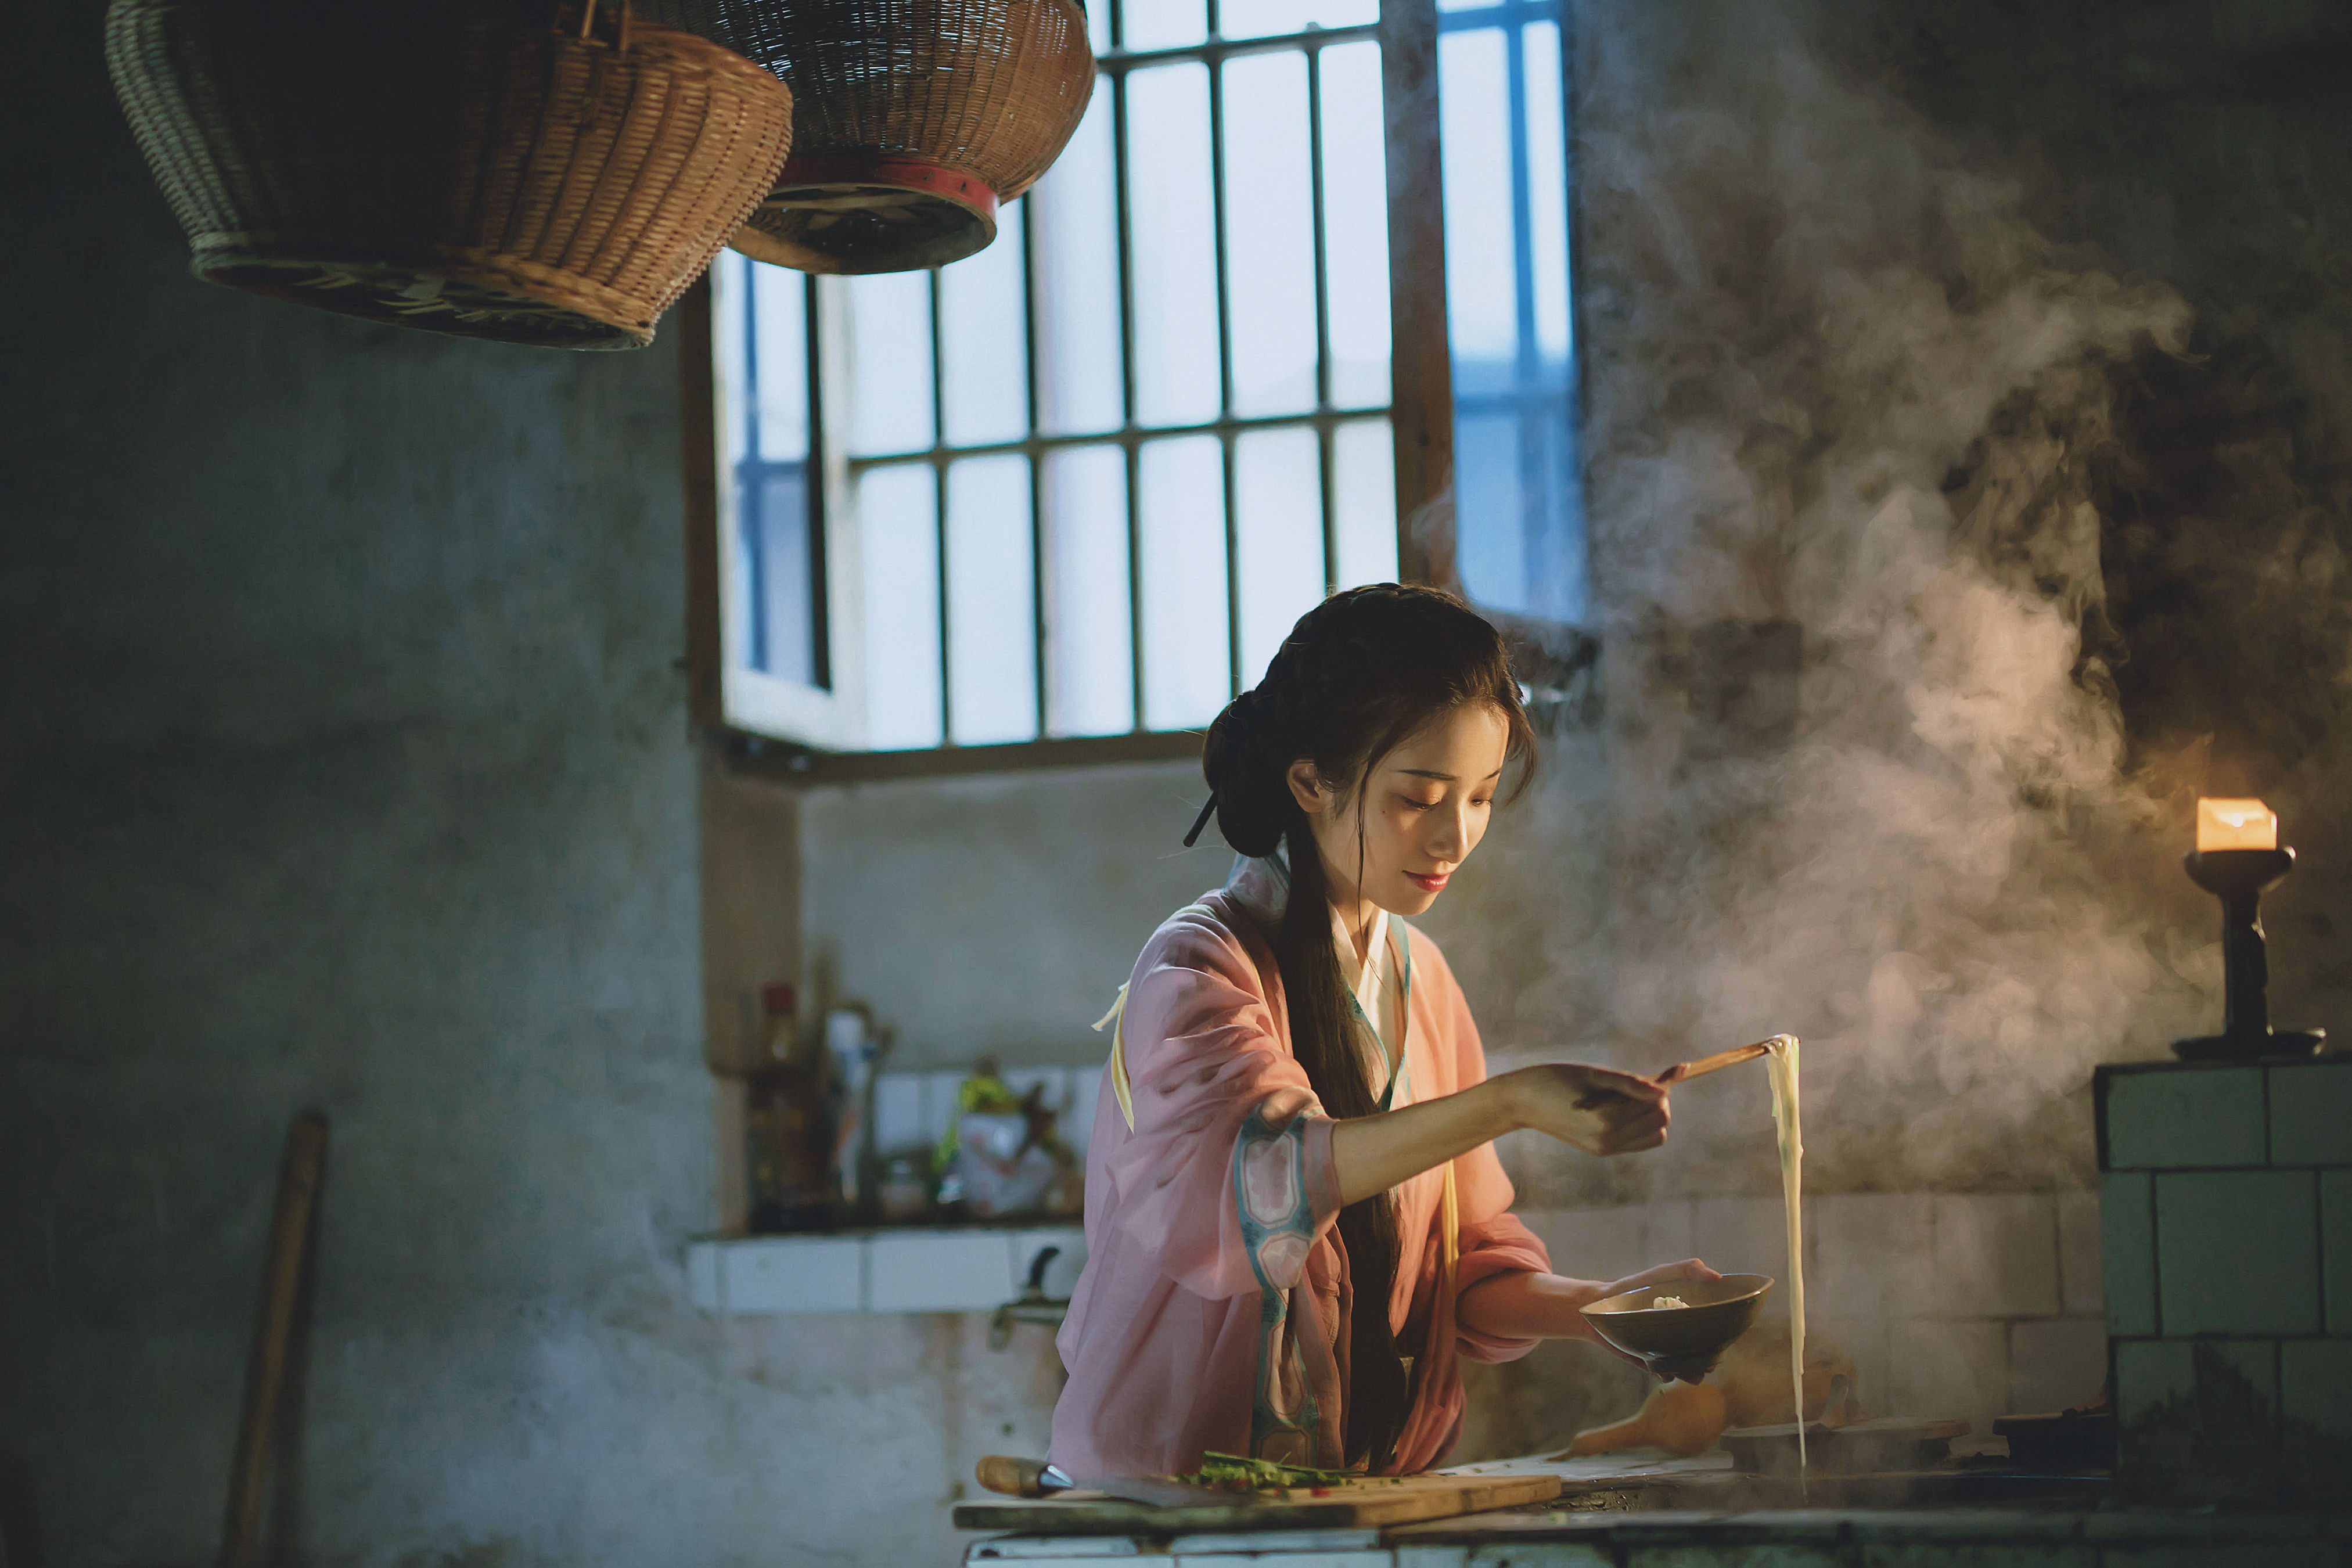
(1376, 1500)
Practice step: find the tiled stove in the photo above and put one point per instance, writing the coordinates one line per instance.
(2226, 1207)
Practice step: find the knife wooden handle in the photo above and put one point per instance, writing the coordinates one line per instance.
(1013, 1478)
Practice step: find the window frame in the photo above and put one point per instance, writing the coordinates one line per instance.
(1421, 412)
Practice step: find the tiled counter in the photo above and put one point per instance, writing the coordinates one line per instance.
(2226, 1207)
(1939, 1538)
(965, 1269)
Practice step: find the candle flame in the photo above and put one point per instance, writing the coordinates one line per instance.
(2223, 824)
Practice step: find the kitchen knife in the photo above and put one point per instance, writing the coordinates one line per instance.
(1036, 1478)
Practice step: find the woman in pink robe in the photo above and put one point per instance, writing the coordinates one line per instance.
(1219, 1308)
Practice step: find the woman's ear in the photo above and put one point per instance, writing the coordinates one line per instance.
(1306, 788)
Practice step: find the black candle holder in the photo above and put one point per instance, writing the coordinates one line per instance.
(2240, 877)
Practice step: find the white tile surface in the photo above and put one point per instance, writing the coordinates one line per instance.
(899, 1115)
(1666, 1231)
(1996, 1255)
(703, 1274)
(1064, 1551)
(939, 1271)
(939, 1091)
(1236, 1554)
(792, 1274)
(1942, 1369)
(1871, 1255)
(1738, 1235)
(1062, 1274)
(1282, 1541)
(1860, 1340)
(1590, 1244)
(2079, 1286)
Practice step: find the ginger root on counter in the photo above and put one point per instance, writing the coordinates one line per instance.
(1683, 1418)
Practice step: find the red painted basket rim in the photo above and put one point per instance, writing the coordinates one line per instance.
(898, 169)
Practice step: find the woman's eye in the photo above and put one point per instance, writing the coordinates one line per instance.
(1408, 801)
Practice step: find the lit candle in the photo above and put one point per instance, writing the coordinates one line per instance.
(2235, 825)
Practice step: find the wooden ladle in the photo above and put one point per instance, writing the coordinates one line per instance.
(1683, 1071)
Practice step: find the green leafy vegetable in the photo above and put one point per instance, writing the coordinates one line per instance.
(1235, 1473)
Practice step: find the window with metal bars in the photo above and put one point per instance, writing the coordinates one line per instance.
(1080, 484)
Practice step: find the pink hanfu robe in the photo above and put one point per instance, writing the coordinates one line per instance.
(1212, 1312)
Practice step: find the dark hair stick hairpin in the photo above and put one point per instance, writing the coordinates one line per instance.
(1202, 820)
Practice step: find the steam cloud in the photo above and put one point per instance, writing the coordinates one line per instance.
(1850, 424)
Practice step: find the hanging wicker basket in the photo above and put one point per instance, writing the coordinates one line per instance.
(463, 168)
(912, 120)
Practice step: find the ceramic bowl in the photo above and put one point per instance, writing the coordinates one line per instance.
(1683, 1341)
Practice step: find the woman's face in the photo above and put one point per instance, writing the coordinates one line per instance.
(1417, 818)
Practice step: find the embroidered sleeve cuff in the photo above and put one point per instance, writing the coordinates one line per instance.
(1283, 1187)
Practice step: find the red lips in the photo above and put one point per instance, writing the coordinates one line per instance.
(1434, 884)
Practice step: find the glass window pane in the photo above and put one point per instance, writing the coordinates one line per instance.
(898, 510)
(890, 347)
(984, 340)
(1162, 24)
(1548, 190)
(730, 285)
(1356, 224)
(762, 319)
(778, 363)
(1270, 232)
(1363, 488)
(1093, 650)
(779, 570)
(1519, 526)
(1271, 19)
(991, 603)
(1176, 380)
(1076, 212)
(1481, 270)
(1186, 665)
(1554, 520)
(1490, 508)
(1278, 538)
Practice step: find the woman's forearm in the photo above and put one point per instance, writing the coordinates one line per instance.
(1372, 1153)
(1522, 1305)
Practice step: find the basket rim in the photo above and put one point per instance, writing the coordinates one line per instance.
(610, 312)
(900, 170)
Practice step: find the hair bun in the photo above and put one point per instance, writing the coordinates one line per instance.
(1247, 779)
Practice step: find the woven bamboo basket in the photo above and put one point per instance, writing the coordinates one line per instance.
(465, 168)
(912, 120)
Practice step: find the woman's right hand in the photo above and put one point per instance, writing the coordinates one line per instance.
(1598, 1110)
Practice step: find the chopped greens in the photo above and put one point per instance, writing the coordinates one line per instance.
(1234, 1473)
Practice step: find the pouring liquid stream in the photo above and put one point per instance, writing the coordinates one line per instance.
(1780, 1068)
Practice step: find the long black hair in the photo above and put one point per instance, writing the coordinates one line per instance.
(1359, 675)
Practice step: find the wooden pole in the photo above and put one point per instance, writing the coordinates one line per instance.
(1421, 374)
(298, 1174)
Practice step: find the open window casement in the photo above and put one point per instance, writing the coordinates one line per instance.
(787, 570)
